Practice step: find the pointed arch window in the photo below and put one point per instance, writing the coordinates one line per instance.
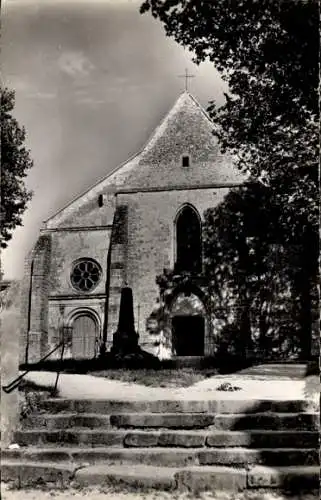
(188, 240)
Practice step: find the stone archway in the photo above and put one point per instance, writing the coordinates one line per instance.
(189, 325)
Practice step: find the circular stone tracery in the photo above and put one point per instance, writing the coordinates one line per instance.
(85, 275)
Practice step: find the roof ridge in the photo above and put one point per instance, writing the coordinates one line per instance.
(118, 167)
(171, 110)
(102, 179)
(200, 106)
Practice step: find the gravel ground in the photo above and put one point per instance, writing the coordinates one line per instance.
(104, 494)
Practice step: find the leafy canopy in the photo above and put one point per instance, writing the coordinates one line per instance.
(15, 164)
(275, 40)
(267, 52)
(261, 242)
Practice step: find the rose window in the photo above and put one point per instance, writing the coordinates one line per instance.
(85, 275)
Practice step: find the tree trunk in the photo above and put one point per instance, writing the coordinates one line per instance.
(306, 281)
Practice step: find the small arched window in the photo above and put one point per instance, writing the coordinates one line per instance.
(188, 241)
(100, 200)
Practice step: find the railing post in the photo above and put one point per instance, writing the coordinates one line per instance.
(54, 391)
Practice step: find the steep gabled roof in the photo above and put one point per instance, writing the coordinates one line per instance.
(186, 116)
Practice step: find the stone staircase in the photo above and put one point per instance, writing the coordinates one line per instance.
(172, 444)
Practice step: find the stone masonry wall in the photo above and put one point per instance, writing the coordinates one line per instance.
(64, 300)
(69, 246)
(89, 213)
(151, 242)
(38, 333)
(61, 314)
(186, 131)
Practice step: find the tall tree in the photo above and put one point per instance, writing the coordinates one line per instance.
(15, 164)
(267, 52)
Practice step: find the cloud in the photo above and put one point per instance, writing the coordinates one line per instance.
(75, 64)
(28, 89)
(92, 100)
(41, 95)
(18, 84)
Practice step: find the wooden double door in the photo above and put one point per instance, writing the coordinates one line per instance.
(84, 337)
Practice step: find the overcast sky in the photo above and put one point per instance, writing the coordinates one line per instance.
(92, 78)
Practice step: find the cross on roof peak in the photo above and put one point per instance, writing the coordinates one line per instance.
(186, 76)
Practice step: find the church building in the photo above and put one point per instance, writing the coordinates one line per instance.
(144, 217)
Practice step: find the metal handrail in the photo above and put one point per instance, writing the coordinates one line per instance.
(16, 382)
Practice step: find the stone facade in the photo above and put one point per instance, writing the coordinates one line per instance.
(151, 241)
(124, 230)
(125, 224)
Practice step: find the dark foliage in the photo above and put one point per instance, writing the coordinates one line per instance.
(267, 52)
(257, 277)
(262, 243)
(15, 163)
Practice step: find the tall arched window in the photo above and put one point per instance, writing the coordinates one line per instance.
(188, 241)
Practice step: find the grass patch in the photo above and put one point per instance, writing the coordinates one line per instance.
(182, 377)
(136, 493)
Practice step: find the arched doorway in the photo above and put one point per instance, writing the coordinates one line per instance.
(84, 335)
(188, 319)
(188, 240)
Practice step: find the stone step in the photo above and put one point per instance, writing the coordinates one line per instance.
(272, 421)
(259, 421)
(174, 438)
(25, 473)
(215, 478)
(137, 476)
(102, 406)
(269, 457)
(66, 421)
(80, 437)
(193, 478)
(168, 457)
(293, 478)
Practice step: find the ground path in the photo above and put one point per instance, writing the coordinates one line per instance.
(74, 386)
